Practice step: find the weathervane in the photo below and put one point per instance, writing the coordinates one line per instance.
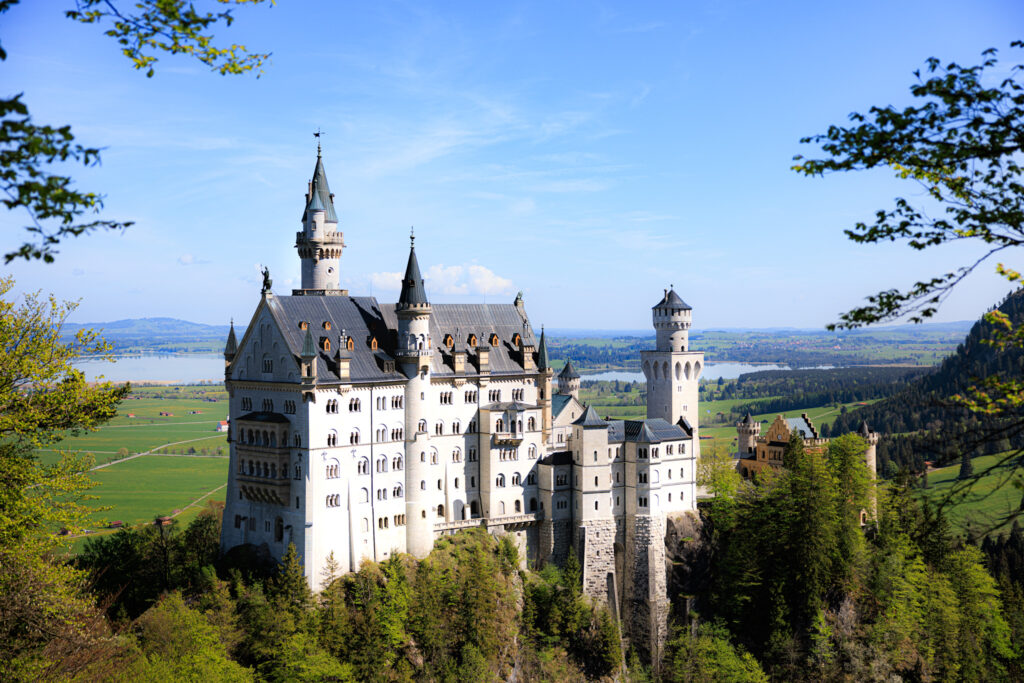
(317, 135)
(412, 236)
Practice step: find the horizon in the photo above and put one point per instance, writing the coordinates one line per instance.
(587, 156)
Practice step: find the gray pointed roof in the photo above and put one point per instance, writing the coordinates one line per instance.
(673, 301)
(569, 372)
(231, 348)
(308, 348)
(747, 419)
(413, 291)
(590, 418)
(321, 192)
(542, 353)
(864, 429)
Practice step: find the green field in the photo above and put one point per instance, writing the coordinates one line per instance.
(991, 498)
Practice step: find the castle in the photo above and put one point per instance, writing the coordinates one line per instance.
(360, 429)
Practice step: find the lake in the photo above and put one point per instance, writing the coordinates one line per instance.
(192, 368)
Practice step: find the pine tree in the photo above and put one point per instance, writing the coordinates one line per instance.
(966, 467)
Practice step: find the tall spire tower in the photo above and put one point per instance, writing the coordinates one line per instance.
(319, 243)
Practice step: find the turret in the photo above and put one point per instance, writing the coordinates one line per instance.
(672, 319)
(319, 243)
(231, 348)
(544, 374)
(307, 359)
(747, 431)
(569, 381)
(870, 455)
(413, 353)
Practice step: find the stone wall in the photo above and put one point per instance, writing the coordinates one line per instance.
(595, 541)
(645, 603)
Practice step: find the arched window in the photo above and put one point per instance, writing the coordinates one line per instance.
(474, 509)
(422, 427)
(516, 479)
(423, 485)
(501, 507)
(499, 426)
(500, 481)
(364, 466)
(433, 456)
(364, 495)
(278, 530)
(533, 505)
(350, 344)
(457, 455)
(396, 463)
(382, 464)
(439, 428)
(397, 492)
(519, 506)
(531, 424)
(440, 510)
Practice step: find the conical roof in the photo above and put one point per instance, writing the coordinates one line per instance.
(569, 372)
(542, 352)
(864, 429)
(413, 291)
(672, 301)
(747, 419)
(308, 347)
(320, 192)
(590, 418)
(231, 348)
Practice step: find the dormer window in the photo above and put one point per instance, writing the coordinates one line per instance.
(493, 340)
(373, 343)
(350, 344)
(449, 341)
(325, 343)
(472, 340)
(327, 324)
(303, 325)
(517, 340)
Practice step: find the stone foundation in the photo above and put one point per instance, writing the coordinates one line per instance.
(645, 603)
(595, 542)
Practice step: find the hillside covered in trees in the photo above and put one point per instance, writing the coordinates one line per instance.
(923, 422)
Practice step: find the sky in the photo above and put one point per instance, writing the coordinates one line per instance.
(587, 154)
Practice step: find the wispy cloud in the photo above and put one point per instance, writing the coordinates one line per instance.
(464, 279)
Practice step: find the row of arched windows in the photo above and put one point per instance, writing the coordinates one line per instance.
(333, 500)
(261, 438)
(332, 405)
(257, 469)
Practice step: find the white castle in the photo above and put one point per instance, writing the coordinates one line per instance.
(361, 429)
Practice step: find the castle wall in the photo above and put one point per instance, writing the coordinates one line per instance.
(645, 600)
(595, 543)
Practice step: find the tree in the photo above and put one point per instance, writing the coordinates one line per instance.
(42, 399)
(28, 152)
(962, 145)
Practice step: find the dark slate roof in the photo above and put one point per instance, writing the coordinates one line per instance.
(673, 301)
(231, 348)
(364, 319)
(590, 418)
(801, 424)
(413, 291)
(569, 372)
(542, 353)
(559, 458)
(864, 429)
(653, 430)
(616, 431)
(323, 192)
(558, 404)
(747, 419)
(481, 320)
(264, 417)
(685, 425)
(516, 406)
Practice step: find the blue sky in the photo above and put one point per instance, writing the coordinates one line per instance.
(588, 154)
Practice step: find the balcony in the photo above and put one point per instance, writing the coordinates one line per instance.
(507, 438)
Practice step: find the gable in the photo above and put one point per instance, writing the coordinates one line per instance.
(264, 346)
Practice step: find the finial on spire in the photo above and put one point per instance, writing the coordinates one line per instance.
(412, 236)
(317, 135)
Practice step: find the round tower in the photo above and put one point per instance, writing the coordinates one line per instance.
(413, 353)
(747, 431)
(569, 381)
(319, 243)
(672, 319)
(870, 455)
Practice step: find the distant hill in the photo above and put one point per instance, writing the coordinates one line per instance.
(939, 430)
(158, 329)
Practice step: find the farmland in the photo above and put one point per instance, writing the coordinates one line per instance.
(991, 498)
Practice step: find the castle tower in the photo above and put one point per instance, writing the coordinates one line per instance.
(319, 243)
(413, 354)
(544, 374)
(569, 381)
(747, 431)
(870, 458)
(593, 513)
(230, 348)
(673, 371)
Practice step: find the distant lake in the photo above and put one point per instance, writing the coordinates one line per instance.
(711, 371)
(202, 367)
(170, 368)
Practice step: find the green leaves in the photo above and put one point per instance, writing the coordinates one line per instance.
(171, 26)
(962, 146)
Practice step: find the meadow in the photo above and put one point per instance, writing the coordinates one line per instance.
(991, 499)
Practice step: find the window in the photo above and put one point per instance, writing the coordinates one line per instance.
(353, 437)
(516, 479)
(472, 340)
(396, 463)
(289, 407)
(396, 401)
(268, 405)
(364, 466)
(333, 500)
(246, 403)
(423, 485)
(533, 505)
(354, 405)
(433, 457)
(595, 504)
(332, 439)
(493, 341)
(531, 478)
(494, 395)
(456, 427)
(397, 434)
(350, 344)
(445, 398)
(499, 425)
(532, 452)
(518, 506)
(332, 406)
(325, 343)
(517, 394)
(298, 471)
(472, 455)
(439, 428)
(456, 482)
(472, 426)
(268, 365)
(332, 471)
(382, 464)
(422, 426)
(562, 480)
(297, 439)
(471, 397)
(456, 455)
(440, 510)
(500, 481)
(531, 424)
